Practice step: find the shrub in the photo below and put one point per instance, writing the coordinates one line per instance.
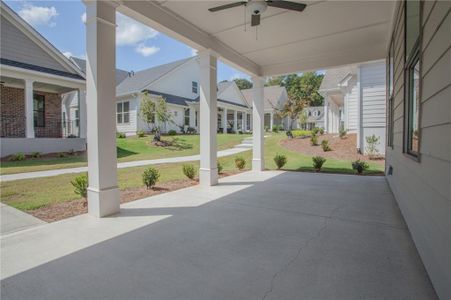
(280, 160)
(315, 130)
(80, 184)
(140, 133)
(240, 132)
(36, 154)
(189, 171)
(342, 132)
(71, 152)
(321, 131)
(61, 154)
(318, 162)
(372, 142)
(325, 145)
(120, 135)
(240, 163)
(190, 130)
(314, 140)
(150, 177)
(172, 132)
(17, 157)
(220, 167)
(360, 166)
(266, 128)
(301, 133)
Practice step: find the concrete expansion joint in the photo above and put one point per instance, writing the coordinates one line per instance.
(302, 247)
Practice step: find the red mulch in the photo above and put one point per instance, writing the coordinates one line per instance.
(62, 210)
(342, 149)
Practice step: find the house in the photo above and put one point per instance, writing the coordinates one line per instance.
(275, 98)
(314, 117)
(354, 99)
(37, 81)
(178, 83)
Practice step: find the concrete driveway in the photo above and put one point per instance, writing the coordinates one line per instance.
(270, 235)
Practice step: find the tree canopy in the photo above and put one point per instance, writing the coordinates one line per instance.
(243, 83)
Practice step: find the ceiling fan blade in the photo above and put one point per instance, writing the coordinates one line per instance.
(255, 20)
(286, 5)
(226, 6)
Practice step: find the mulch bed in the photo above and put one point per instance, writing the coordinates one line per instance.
(63, 210)
(342, 149)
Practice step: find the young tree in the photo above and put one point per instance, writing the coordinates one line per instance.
(243, 83)
(292, 109)
(303, 118)
(154, 113)
(162, 114)
(147, 110)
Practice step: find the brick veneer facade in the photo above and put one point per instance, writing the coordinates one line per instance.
(12, 113)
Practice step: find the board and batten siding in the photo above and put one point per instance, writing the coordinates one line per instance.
(422, 187)
(19, 47)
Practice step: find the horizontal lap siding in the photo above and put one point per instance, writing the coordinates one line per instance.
(351, 100)
(422, 188)
(129, 128)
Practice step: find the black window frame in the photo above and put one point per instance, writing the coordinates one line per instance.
(38, 111)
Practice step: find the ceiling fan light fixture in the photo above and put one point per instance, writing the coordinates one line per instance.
(256, 7)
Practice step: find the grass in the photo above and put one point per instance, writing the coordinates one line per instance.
(129, 149)
(30, 194)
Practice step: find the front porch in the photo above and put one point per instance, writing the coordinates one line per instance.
(331, 237)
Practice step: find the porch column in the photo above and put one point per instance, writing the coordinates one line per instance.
(103, 192)
(271, 121)
(208, 172)
(224, 120)
(192, 117)
(326, 116)
(82, 113)
(258, 158)
(235, 121)
(29, 115)
(243, 121)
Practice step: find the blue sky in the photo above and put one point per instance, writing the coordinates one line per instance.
(138, 46)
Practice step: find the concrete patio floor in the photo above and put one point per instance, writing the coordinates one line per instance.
(269, 235)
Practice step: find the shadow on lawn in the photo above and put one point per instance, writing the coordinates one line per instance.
(121, 152)
(178, 144)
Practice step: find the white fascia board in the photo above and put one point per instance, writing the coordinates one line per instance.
(163, 20)
(21, 73)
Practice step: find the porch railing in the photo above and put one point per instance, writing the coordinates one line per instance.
(14, 127)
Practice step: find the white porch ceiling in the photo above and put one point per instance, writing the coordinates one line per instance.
(326, 34)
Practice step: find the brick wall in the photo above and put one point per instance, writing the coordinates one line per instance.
(12, 113)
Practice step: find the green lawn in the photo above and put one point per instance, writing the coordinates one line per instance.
(129, 149)
(31, 194)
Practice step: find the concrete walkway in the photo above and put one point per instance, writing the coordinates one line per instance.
(246, 145)
(13, 220)
(267, 235)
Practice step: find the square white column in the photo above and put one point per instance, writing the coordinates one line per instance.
(208, 172)
(243, 121)
(103, 191)
(82, 113)
(192, 117)
(29, 115)
(235, 121)
(224, 120)
(258, 157)
(271, 120)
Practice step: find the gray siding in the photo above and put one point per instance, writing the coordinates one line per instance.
(351, 99)
(422, 188)
(15, 45)
(372, 83)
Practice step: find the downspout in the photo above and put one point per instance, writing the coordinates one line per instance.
(360, 111)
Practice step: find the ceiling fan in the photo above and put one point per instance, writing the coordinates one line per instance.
(257, 7)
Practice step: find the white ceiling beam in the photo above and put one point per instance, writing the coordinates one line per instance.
(163, 20)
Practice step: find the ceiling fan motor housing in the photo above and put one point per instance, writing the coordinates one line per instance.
(256, 7)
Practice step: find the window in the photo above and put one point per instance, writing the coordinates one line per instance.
(412, 78)
(77, 118)
(39, 110)
(187, 116)
(194, 87)
(64, 119)
(196, 119)
(123, 112)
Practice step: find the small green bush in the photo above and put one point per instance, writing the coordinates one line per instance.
(240, 163)
(36, 154)
(315, 130)
(140, 133)
(191, 130)
(240, 132)
(321, 131)
(266, 128)
(220, 167)
(325, 145)
(372, 142)
(275, 128)
(301, 133)
(189, 171)
(360, 166)
(71, 152)
(280, 160)
(172, 132)
(342, 132)
(17, 157)
(150, 177)
(120, 135)
(61, 154)
(318, 162)
(80, 184)
(314, 140)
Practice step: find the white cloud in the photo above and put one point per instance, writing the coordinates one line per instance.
(38, 15)
(67, 54)
(193, 52)
(131, 32)
(235, 76)
(83, 18)
(146, 51)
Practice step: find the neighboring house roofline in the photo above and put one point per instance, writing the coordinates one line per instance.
(36, 37)
(233, 84)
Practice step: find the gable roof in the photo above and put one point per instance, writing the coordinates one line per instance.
(81, 63)
(334, 76)
(57, 63)
(223, 85)
(272, 95)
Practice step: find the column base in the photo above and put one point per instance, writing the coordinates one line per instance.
(208, 177)
(104, 202)
(258, 164)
